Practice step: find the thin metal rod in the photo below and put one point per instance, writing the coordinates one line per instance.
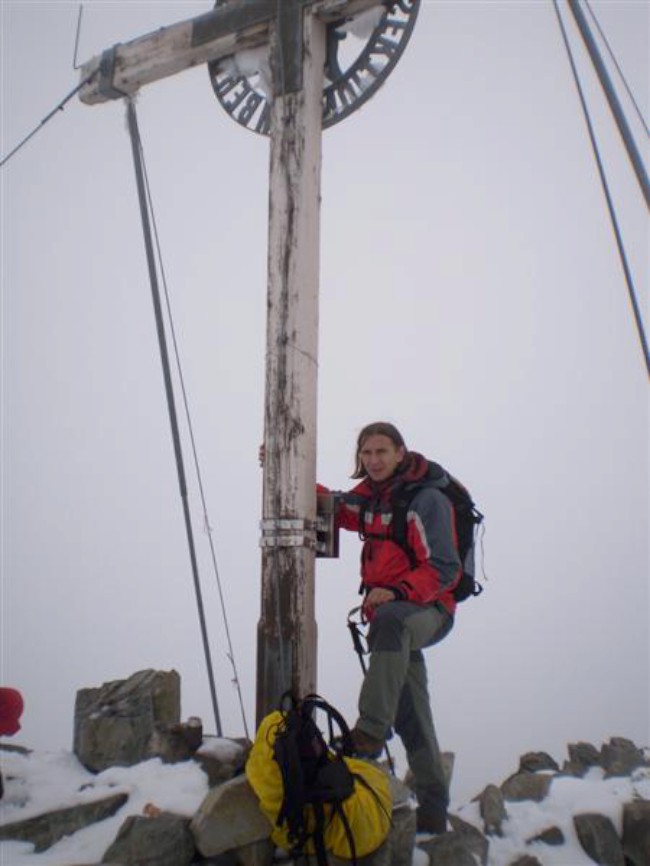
(636, 310)
(612, 99)
(164, 356)
(76, 65)
(59, 107)
(190, 428)
(621, 74)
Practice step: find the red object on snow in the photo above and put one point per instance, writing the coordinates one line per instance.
(11, 708)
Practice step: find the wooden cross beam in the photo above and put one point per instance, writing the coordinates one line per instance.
(296, 32)
(237, 25)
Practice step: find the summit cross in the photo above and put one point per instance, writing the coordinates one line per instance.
(297, 34)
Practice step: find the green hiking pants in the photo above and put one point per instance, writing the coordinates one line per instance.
(395, 692)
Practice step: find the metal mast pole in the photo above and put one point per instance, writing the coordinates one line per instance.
(612, 99)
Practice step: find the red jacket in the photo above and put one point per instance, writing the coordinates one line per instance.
(430, 533)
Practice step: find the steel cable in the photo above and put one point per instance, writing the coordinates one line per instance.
(164, 355)
(610, 205)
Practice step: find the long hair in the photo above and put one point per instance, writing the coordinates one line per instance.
(377, 428)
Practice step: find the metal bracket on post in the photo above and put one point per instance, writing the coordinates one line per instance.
(327, 532)
(288, 532)
(288, 57)
(106, 73)
(320, 535)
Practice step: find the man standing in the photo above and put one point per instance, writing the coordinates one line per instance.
(409, 603)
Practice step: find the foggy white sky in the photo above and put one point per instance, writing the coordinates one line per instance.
(470, 292)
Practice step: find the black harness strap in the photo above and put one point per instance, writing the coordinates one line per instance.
(319, 834)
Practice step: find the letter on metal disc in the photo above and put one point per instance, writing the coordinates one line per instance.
(356, 66)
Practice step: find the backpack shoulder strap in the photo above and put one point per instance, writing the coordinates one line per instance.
(437, 475)
(399, 508)
(438, 478)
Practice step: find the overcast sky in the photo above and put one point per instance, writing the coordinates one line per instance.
(471, 293)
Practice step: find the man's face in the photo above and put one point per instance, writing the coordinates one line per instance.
(380, 457)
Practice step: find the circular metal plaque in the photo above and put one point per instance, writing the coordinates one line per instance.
(362, 51)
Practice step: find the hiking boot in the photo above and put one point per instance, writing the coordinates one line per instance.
(430, 820)
(365, 746)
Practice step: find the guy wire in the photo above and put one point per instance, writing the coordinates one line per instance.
(610, 205)
(618, 67)
(190, 427)
(169, 391)
(59, 107)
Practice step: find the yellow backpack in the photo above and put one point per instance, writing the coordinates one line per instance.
(316, 799)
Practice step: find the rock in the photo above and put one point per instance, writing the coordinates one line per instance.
(397, 850)
(227, 859)
(526, 786)
(532, 762)
(636, 832)
(175, 743)
(571, 768)
(229, 817)
(222, 758)
(18, 750)
(550, 836)
(401, 839)
(599, 839)
(44, 830)
(161, 841)
(400, 793)
(115, 724)
(256, 854)
(620, 757)
(474, 839)
(582, 756)
(448, 849)
(447, 759)
(493, 810)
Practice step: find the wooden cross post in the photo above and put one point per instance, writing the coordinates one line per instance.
(296, 31)
(286, 637)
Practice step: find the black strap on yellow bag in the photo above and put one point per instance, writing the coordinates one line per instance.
(313, 772)
(303, 787)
